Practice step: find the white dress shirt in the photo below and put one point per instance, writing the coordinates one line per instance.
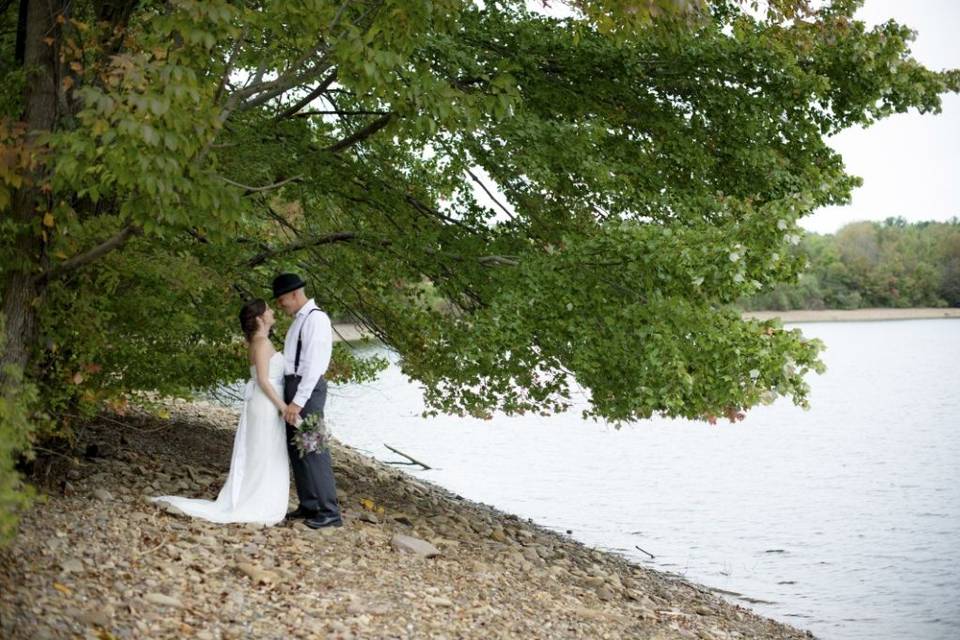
(315, 352)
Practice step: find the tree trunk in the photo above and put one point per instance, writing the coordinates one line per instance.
(20, 316)
(21, 294)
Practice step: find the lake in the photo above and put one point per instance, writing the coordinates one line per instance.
(844, 520)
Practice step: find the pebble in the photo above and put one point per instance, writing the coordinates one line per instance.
(94, 618)
(416, 546)
(438, 602)
(72, 565)
(161, 599)
(256, 574)
(366, 516)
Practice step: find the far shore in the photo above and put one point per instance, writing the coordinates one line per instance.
(854, 315)
(347, 332)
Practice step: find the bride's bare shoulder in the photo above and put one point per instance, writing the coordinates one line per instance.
(260, 348)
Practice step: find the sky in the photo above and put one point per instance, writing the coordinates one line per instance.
(910, 164)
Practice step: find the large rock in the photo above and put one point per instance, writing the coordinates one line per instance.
(409, 544)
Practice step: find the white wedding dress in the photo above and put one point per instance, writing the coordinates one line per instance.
(258, 485)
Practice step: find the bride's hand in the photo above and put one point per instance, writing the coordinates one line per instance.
(282, 409)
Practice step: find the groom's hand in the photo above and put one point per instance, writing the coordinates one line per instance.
(291, 414)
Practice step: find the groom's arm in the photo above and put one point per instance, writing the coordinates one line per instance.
(315, 355)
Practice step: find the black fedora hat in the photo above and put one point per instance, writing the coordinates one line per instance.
(285, 283)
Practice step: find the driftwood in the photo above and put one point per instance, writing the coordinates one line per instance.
(646, 552)
(412, 460)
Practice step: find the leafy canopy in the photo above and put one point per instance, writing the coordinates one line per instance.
(512, 201)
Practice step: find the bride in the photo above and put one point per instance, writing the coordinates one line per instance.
(258, 485)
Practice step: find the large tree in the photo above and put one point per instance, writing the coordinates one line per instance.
(512, 201)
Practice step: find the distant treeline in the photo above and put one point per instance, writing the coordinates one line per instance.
(874, 264)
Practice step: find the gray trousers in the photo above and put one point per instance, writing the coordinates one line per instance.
(312, 473)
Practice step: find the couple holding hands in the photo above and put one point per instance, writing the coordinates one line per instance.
(284, 388)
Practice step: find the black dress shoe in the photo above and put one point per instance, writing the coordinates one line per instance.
(324, 521)
(302, 513)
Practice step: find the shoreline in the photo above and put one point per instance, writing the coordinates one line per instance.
(99, 558)
(855, 315)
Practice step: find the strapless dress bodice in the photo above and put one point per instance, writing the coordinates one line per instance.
(275, 372)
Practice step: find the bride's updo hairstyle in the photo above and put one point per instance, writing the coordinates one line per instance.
(248, 316)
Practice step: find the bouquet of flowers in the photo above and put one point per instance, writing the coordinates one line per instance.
(311, 434)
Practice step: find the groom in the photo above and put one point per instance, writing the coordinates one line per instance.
(306, 355)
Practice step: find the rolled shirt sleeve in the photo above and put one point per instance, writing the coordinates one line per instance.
(315, 354)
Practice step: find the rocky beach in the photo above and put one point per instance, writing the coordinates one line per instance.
(94, 559)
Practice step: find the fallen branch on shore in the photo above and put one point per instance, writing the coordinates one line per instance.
(412, 460)
(652, 557)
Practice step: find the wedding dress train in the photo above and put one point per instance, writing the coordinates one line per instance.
(258, 484)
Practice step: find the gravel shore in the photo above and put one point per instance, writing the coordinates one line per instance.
(96, 560)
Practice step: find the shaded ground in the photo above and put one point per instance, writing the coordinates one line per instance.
(95, 560)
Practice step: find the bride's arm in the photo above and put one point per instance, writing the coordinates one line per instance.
(262, 352)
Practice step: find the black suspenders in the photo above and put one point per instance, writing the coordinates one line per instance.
(296, 360)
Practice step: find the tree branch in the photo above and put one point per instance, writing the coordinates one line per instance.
(263, 256)
(284, 83)
(490, 195)
(310, 97)
(410, 458)
(293, 76)
(229, 67)
(249, 189)
(335, 112)
(362, 134)
(105, 247)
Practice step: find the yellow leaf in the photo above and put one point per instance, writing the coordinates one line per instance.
(62, 588)
(60, 255)
(367, 504)
(48, 219)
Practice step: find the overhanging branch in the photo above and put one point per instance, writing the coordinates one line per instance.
(362, 134)
(249, 189)
(263, 256)
(310, 97)
(79, 260)
(335, 112)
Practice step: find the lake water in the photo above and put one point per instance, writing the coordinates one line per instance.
(844, 520)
